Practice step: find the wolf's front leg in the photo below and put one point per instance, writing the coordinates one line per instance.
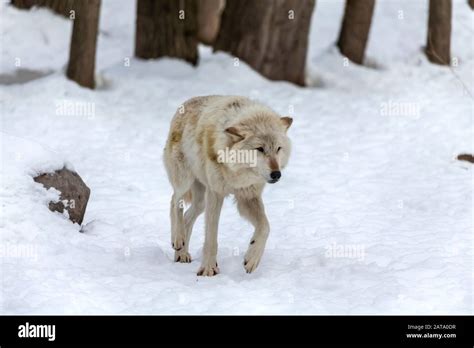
(178, 237)
(213, 210)
(254, 211)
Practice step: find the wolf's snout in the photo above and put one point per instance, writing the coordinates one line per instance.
(275, 176)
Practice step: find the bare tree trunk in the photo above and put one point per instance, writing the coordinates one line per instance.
(471, 3)
(355, 29)
(62, 7)
(270, 35)
(24, 4)
(209, 19)
(81, 64)
(438, 47)
(167, 28)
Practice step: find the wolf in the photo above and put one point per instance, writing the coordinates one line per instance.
(202, 130)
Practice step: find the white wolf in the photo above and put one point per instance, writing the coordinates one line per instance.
(201, 131)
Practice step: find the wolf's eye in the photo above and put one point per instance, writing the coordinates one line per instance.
(260, 149)
(278, 150)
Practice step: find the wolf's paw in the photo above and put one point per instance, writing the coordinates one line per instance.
(208, 270)
(252, 258)
(178, 242)
(182, 256)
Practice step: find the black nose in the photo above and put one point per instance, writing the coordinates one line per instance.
(275, 175)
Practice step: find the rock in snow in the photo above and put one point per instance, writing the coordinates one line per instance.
(74, 192)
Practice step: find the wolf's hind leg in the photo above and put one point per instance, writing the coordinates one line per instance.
(192, 213)
(253, 210)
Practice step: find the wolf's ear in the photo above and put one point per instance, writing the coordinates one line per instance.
(287, 121)
(234, 134)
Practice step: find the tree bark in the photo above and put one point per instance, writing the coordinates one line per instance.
(438, 47)
(209, 18)
(81, 66)
(471, 3)
(24, 4)
(355, 29)
(167, 28)
(62, 7)
(270, 35)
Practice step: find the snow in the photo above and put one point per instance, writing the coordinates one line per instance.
(372, 216)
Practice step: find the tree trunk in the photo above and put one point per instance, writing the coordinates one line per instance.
(62, 7)
(471, 3)
(209, 18)
(438, 45)
(81, 64)
(167, 28)
(24, 4)
(355, 29)
(270, 35)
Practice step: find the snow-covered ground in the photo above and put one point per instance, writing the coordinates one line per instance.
(373, 215)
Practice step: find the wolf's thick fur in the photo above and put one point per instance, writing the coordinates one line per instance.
(200, 130)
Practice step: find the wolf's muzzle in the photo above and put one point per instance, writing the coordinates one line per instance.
(275, 176)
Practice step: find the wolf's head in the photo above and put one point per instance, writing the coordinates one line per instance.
(262, 144)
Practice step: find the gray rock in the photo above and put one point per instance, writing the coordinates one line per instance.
(72, 189)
